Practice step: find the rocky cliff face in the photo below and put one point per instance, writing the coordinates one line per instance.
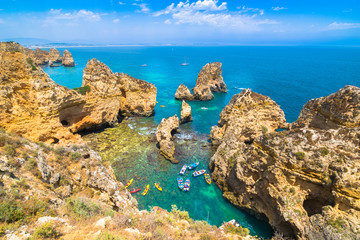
(54, 55)
(305, 180)
(209, 80)
(185, 113)
(41, 56)
(164, 134)
(34, 106)
(67, 59)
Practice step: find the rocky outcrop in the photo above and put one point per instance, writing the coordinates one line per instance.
(247, 116)
(209, 80)
(54, 56)
(34, 106)
(164, 134)
(67, 59)
(185, 113)
(41, 56)
(339, 109)
(305, 180)
(183, 93)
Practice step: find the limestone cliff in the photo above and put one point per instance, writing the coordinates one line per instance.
(41, 56)
(67, 59)
(34, 106)
(185, 113)
(164, 134)
(183, 93)
(209, 80)
(305, 180)
(54, 55)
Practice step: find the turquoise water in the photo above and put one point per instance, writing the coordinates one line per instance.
(289, 75)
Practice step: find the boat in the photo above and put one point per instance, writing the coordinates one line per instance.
(187, 185)
(135, 190)
(180, 183)
(185, 63)
(192, 166)
(144, 65)
(129, 183)
(204, 108)
(146, 190)
(207, 178)
(183, 169)
(198, 173)
(158, 187)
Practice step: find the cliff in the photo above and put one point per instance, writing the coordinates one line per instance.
(164, 135)
(209, 80)
(67, 59)
(305, 180)
(34, 106)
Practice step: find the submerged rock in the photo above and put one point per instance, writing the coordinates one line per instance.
(164, 132)
(305, 180)
(185, 113)
(209, 80)
(67, 59)
(183, 93)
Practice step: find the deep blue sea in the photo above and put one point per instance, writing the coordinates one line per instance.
(289, 75)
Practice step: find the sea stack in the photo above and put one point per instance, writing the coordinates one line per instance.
(185, 113)
(67, 59)
(183, 93)
(164, 134)
(304, 179)
(54, 55)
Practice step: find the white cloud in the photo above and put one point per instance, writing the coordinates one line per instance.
(278, 8)
(122, 3)
(211, 12)
(342, 26)
(116, 20)
(143, 7)
(87, 15)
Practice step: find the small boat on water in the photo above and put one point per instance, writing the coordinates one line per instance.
(185, 63)
(204, 108)
(144, 65)
(146, 190)
(192, 166)
(198, 173)
(129, 183)
(158, 187)
(135, 190)
(183, 169)
(187, 185)
(207, 178)
(180, 183)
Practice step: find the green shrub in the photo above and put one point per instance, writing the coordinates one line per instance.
(107, 236)
(83, 90)
(264, 129)
(30, 61)
(74, 156)
(10, 150)
(46, 231)
(292, 190)
(82, 208)
(229, 228)
(179, 214)
(324, 151)
(206, 236)
(10, 211)
(300, 155)
(60, 151)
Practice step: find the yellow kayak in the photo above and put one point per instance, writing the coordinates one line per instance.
(158, 187)
(129, 183)
(146, 190)
(207, 178)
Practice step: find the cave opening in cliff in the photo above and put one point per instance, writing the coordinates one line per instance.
(65, 123)
(315, 205)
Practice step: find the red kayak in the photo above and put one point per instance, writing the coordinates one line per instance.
(135, 190)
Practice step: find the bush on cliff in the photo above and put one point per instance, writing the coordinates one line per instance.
(83, 90)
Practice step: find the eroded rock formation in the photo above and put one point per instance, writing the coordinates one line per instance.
(209, 80)
(67, 59)
(164, 135)
(183, 93)
(34, 106)
(305, 180)
(54, 55)
(41, 56)
(185, 113)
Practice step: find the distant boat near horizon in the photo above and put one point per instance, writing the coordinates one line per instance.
(184, 63)
(144, 65)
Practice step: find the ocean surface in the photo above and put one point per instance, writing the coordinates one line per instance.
(289, 75)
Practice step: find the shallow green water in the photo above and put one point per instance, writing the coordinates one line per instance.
(131, 148)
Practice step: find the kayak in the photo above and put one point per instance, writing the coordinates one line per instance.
(207, 178)
(146, 190)
(129, 183)
(187, 185)
(158, 187)
(192, 166)
(180, 183)
(183, 169)
(198, 173)
(135, 190)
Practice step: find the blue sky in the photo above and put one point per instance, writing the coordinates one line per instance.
(201, 22)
